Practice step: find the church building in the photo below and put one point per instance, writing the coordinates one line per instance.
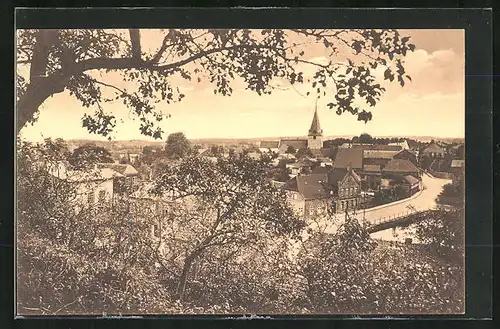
(314, 140)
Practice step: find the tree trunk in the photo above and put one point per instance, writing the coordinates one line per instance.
(40, 87)
(181, 287)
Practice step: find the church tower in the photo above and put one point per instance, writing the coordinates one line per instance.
(315, 136)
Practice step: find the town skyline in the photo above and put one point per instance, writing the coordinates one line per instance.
(435, 95)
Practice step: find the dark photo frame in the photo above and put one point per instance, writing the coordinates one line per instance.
(477, 24)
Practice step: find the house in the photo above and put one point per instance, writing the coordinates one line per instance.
(407, 154)
(458, 151)
(332, 190)
(401, 167)
(269, 146)
(433, 150)
(371, 175)
(308, 195)
(92, 186)
(404, 145)
(349, 158)
(300, 167)
(345, 186)
(314, 140)
(411, 185)
(378, 157)
(129, 173)
(414, 146)
(457, 170)
(296, 143)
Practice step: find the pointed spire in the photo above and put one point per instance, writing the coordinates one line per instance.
(315, 129)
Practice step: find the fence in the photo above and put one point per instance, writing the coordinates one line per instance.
(397, 217)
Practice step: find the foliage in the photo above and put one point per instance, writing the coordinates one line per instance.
(444, 232)
(225, 242)
(228, 204)
(303, 152)
(425, 161)
(74, 258)
(177, 146)
(395, 193)
(291, 150)
(453, 194)
(147, 150)
(365, 139)
(86, 156)
(347, 273)
(66, 60)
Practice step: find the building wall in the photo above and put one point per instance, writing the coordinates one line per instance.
(95, 191)
(315, 143)
(318, 207)
(297, 202)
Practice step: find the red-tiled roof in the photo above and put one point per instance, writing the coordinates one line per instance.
(346, 157)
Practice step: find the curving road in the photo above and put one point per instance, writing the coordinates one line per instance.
(423, 200)
(426, 199)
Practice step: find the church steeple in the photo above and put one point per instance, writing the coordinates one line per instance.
(315, 140)
(315, 129)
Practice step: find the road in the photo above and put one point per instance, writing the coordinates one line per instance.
(426, 199)
(422, 201)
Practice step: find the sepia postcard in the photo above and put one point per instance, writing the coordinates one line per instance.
(240, 171)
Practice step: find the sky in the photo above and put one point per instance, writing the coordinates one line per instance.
(433, 104)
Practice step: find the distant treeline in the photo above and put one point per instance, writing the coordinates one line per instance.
(365, 139)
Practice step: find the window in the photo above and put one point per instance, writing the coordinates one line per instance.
(156, 231)
(90, 198)
(342, 205)
(102, 196)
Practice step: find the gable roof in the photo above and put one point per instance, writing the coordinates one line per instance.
(124, 169)
(371, 168)
(412, 180)
(379, 154)
(349, 157)
(414, 145)
(403, 144)
(313, 186)
(321, 170)
(69, 175)
(269, 144)
(400, 166)
(383, 147)
(304, 162)
(433, 147)
(405, 152)
(296, 143)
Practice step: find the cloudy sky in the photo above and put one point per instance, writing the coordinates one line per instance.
(433, 104)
